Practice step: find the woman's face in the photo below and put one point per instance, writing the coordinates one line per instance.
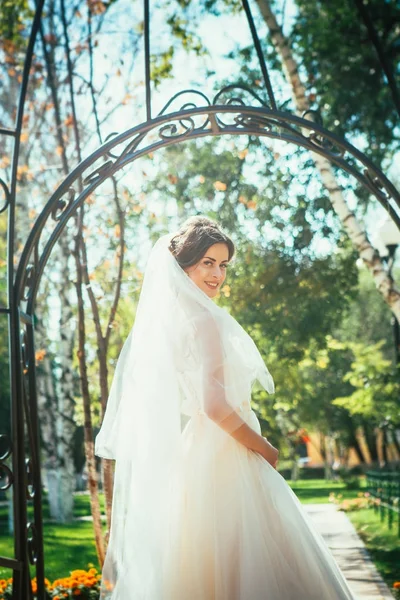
(210, 272)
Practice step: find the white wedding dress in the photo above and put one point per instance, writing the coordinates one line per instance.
(196, 515)
(238, 532)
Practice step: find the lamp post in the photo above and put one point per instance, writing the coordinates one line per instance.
(388, 237)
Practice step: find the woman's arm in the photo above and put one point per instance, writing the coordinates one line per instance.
(214, 396)
(243, 433)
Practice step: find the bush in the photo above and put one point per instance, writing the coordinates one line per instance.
(350, 477)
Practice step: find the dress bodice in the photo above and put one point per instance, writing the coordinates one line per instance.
(191, 377)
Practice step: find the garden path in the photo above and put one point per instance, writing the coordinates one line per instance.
(349, 551)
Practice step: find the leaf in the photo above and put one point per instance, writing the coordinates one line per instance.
(172, 178)
(96, 7)
(69, 121)
(252, 204)
(220, 186)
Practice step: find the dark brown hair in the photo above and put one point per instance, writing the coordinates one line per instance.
(194, 237)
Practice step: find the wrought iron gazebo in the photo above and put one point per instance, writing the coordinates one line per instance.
(224, 114)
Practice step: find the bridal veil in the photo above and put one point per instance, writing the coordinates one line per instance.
(184, 355)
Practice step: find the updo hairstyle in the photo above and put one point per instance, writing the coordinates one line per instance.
(194, 237)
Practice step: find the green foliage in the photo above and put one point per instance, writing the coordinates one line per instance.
(13, 17)
(376, 384)
(343, 70)
(180, 29)
(367, 318)
(161, 66)
(321, 289)
(318, 491)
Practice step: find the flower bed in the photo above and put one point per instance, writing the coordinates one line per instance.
(363, 500)
(396, 590)
(81, 584)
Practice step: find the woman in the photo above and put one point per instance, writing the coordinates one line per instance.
(202, 514)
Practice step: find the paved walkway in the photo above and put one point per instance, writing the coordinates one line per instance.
(349, 551)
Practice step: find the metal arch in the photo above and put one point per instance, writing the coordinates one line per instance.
(22, 464)
(189, 123)
(227, 113)
(177, 127)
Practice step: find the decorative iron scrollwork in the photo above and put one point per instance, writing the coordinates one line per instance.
(24, 349)
(108, 138)
(6, 193)
(29, 281)
(6, 477)
(30, 486)
(195, 93)
(62, 204)
(170, 130)
(377, 184)
(99, 173)
(32, 543)
(5, 446)
(237, 98)
(258, 121)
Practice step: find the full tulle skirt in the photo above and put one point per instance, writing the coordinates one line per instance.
(225, 527)
(236, 529)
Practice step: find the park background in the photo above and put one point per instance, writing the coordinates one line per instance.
(301, 284)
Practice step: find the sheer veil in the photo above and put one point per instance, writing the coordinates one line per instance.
(184, 354)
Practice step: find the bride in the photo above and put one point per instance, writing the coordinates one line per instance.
(200, 511)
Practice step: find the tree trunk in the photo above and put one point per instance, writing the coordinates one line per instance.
(295, 463)
(61, 478)
(396, 441)
(370, 438)
(353, 440)
(58, 462)
(88, 428)
(328, 457)
(352, 226)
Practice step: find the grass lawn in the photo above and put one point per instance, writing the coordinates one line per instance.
(66, 547)
(316, 491)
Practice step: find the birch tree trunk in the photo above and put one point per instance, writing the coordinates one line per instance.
(61, 473)
(354, 229)
(57, 429)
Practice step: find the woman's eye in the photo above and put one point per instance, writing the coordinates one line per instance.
(208, 262)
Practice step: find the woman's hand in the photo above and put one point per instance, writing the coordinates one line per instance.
(270, 453)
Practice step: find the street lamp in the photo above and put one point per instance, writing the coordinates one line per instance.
(388, 238)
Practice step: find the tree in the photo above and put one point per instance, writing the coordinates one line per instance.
(342, 53)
